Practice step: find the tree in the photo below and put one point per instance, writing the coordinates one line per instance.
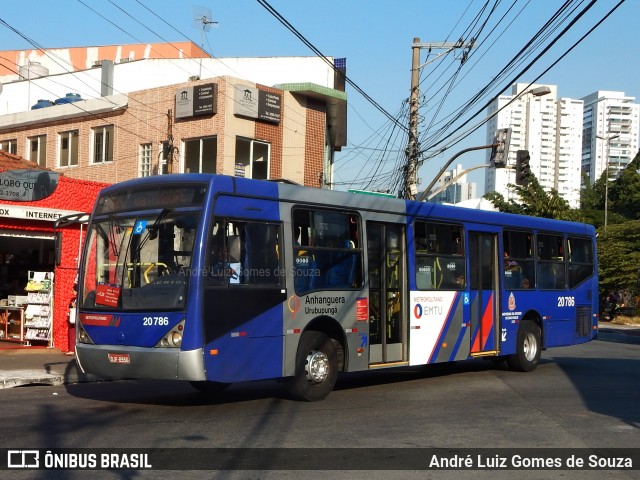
(619, 257)
(592, 200)
(624, 193)
(534, 201)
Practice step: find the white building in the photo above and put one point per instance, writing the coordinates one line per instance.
(550, 129)
(453, 188)
(610, 131)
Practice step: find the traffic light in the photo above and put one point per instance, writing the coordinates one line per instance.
(500, 151)
(523, 169)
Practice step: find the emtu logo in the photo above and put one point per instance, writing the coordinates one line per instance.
(23, 459)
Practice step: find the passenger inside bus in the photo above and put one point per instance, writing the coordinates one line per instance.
(224, 260)
(512, 273)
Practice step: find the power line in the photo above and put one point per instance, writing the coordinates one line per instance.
(521, 72)
(460, 137)
(292, 29)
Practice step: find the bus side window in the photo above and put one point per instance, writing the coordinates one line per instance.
(342, 271)
(439, 257)
(325, 250)
(424, 273)
(305, 263)
(235, 264)
(546, 276)
(260, 258)
(217, 255)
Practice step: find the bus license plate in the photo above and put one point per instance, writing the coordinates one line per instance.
(119, 357)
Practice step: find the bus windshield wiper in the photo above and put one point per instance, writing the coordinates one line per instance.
(153, 229)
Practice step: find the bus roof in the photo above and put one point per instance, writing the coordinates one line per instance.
(309, 195)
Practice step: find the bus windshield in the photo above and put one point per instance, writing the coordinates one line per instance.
(138, 262)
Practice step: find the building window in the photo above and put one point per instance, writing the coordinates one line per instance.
(200, 155)
(10, 146)
(252, 158)
(69, 148)
(38, 150)
(103, 144)
(145, 160)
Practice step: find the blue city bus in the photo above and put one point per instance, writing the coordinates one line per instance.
(215, 279)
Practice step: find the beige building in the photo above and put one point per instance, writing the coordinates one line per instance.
(122, 122)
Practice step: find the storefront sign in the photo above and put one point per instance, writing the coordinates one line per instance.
(34, 213)
(240, 170)
(253, 103)
(27, 185)
(196, 100)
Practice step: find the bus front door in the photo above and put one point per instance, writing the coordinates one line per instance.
(386, 262)
(484, 281)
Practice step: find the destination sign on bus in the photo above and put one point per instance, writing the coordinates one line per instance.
(166, 197)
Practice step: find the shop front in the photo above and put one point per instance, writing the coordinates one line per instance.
(39, 259)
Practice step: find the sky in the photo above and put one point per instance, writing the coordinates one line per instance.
(375, 37)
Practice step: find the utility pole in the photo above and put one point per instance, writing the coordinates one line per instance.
(410, 187)
(411, 175)
(168, 150)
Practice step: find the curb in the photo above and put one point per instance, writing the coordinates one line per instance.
(25, 378)
(29, 377)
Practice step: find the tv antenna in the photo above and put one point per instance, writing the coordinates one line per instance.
(202, 20)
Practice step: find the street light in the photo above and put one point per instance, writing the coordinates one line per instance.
(606, 179)
(536, 92)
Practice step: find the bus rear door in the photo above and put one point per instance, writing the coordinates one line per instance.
(484, 296)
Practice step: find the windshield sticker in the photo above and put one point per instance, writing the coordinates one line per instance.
(107, 295)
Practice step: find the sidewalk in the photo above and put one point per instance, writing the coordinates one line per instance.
(39, 366)
(48, 366)
(625, 329)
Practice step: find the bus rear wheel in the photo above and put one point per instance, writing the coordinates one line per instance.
(316, 368)
(528, 348)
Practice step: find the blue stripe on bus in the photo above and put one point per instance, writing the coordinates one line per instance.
(247, 352)
(135, 329)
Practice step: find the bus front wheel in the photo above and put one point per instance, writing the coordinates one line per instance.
(316, 368)
(528, 348)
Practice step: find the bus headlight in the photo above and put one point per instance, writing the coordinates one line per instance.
(82, 336)
(176, 338)
(173, 338)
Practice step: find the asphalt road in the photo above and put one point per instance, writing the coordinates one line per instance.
(581, 397)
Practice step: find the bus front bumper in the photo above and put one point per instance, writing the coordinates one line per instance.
(118, 361)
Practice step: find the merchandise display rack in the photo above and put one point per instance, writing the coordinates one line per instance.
(39, 309)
